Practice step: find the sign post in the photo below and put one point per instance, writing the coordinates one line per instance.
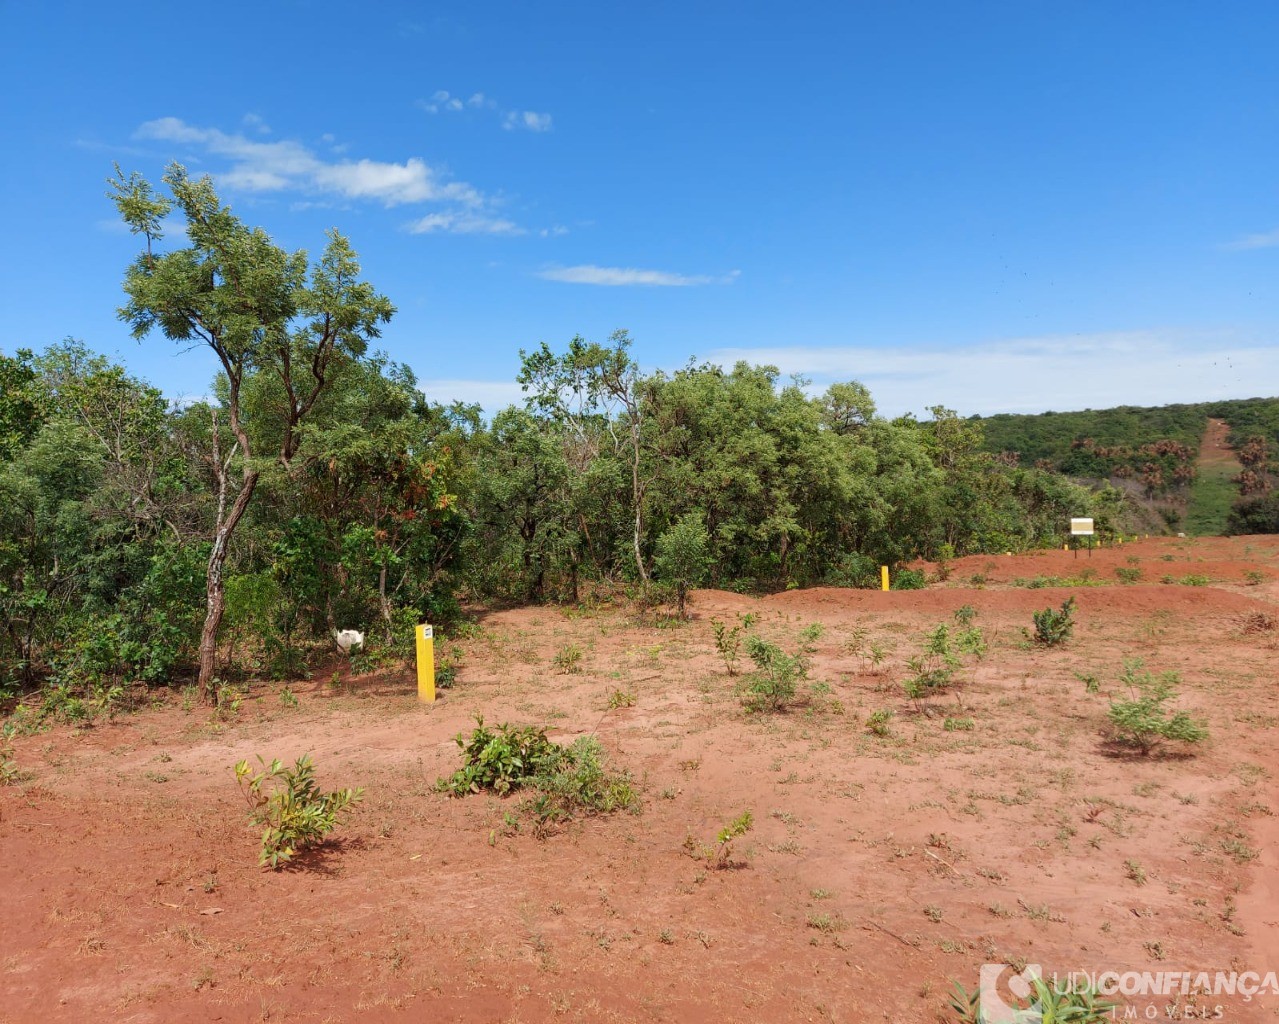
(1082, 528)
(425, 664)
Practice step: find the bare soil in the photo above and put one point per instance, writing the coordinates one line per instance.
(879, 868)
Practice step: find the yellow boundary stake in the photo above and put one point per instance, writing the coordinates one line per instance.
(425, 663)
(883, 577)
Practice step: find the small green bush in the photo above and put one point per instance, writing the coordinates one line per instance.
(1127, 575)
(568, 659)
(878, 723)
(909, 579)
(567, 780)
(1055, 627)
(289, 803)
(1144, 721)
(771, 687)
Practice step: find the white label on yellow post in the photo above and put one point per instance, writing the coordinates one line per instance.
(425, 663)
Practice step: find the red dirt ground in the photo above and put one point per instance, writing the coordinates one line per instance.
(878, 870)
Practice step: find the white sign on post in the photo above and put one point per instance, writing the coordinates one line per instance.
(1081, 527)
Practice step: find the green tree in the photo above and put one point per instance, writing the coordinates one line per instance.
(590, 381)
(683, 557)
(261, 311)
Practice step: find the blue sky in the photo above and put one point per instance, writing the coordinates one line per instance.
(994, 206)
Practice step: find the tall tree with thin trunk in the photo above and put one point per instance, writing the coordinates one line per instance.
(597, 383)
(261, 311)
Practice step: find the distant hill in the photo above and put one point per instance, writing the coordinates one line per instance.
(1154, 453)
(1056, 437)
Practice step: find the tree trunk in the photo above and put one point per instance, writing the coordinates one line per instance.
(215, 588)
(637, 496)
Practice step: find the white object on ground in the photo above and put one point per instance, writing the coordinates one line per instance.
(348, 638)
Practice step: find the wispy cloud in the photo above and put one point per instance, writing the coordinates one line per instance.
(530, 120)
(492, 395)
(631, 276)
(444, 102)
(464, 223)
(1038, 374)
(1264, 240)
(255, 123)
(261, 166)
(441, 100)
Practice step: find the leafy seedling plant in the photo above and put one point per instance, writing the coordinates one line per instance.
(568, 659)
(772, 686)
(1144, 721)
(720, 855)
(297, 815)
(728, 640)
(933, 669)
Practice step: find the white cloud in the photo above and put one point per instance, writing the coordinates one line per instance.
(464, 222)
(554, 231)
(1061, 373)
(1264, 240)
(442, 102)
(624, 276)
(255, 122)
(491, 395)
(527, 119)
(274, 166)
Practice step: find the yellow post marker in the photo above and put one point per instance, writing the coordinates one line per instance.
(883, 577)
(425, 664)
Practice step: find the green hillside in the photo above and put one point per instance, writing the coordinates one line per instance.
(1050, 435)
(1156, 450)
(1126, 435)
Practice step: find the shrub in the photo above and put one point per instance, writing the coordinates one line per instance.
(501, 761)
(289, 803)
(1127, 575)
(728, 642)
(878, 722)
(909, 579)
(1144, 721)
(568, 659)
(933, 669)
(771, 687)
(682, 557)
(568, 780)
(1054, 627)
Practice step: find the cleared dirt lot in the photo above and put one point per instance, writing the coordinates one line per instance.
(879, 868)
